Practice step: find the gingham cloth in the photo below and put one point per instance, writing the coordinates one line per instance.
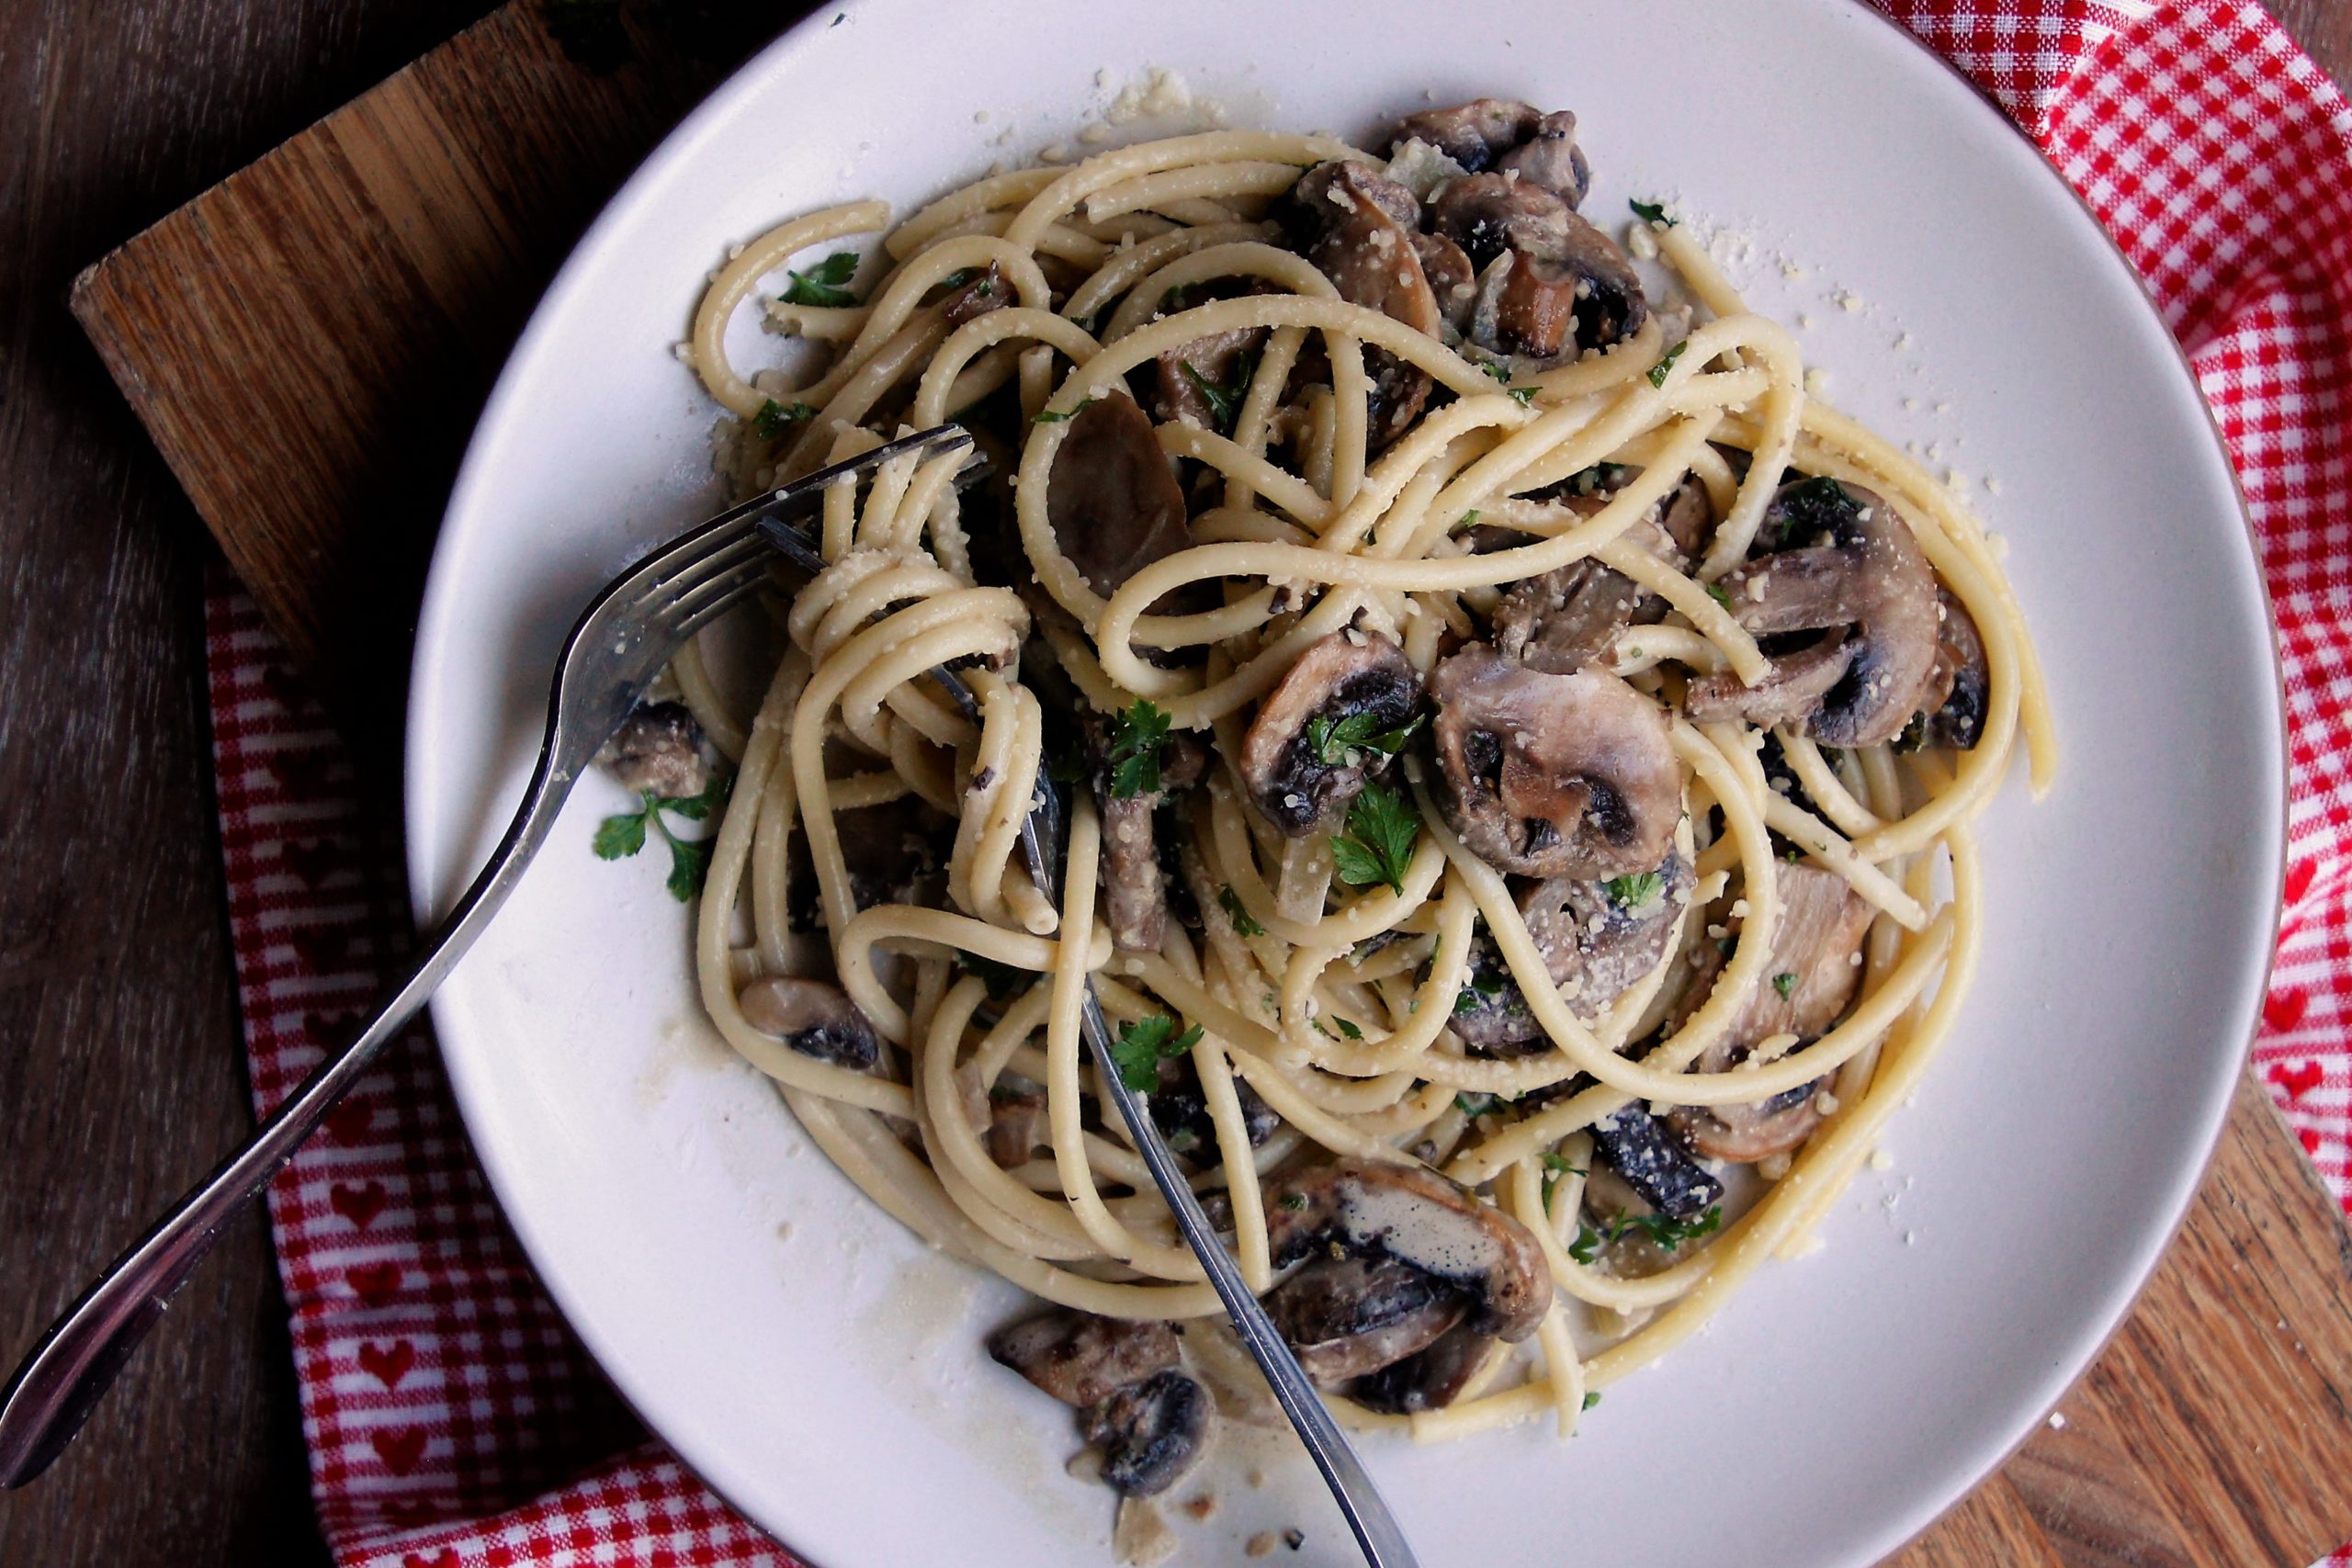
(452, 1420)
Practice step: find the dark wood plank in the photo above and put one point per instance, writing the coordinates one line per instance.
(121, 1073)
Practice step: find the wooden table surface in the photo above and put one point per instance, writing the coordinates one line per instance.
(121, 1075)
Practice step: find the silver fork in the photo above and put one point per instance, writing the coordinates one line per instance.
(621, 642)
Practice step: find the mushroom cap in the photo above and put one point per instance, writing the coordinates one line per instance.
(1431, 1378)
(1336, 678)
(1082, 1358)
(1360, 231)
(1113, 505)
(1594, 946)
(1553, 775)
(1214, 359)
(1960, 686)
(812, 1018)
(1840, 559)
(986, 291)
(1366, 1207)
(1348, 1315)
(1548, 155)
(1472, 134)
(1150, 1433)
(660, 751)
(1658, 1170)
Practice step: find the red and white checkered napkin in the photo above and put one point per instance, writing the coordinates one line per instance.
(454, 1423)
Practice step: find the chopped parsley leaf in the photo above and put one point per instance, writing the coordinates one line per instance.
(1784, 981)
(1331, 739)
(1138, 1052)
(821, 284)
(1657, 371)
(1230, 902)
(1134, 750)
(1664, 1230)
(1225, 402)
(775, 417)
(1464, 524)
(1350, 1030)
(1522, 396)
(1474, 1104)
(1716, 592)
(1585, 1245)
(1294, 1201)
(1496, 368)
(1651, 213)
(1558, 1164)
(1052, 416)
(619, 837)
(1635, 891)
(1591, 1398)
(1378, 845)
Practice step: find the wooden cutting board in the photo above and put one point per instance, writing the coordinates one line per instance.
(309, 344)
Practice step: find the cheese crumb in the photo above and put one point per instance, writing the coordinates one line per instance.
(1792, 271)
(1880, 1160)
(1849, 302)
(2057, 1420)
(1816, 381)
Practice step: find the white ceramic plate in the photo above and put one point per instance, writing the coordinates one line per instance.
(824, 1371)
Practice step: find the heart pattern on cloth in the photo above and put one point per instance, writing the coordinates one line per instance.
(444, 1558)
(388, 1363)
(373, 1283)
(2297, 1081)
(398, 1447)
(2283, 1009)
(359, 1204)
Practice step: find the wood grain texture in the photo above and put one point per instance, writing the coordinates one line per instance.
(253, 331)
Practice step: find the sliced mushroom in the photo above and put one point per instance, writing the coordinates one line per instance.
(660, 751)
(1817, 944)
(1082, 1359)
(1548, 156)
(1135, 885)
(1354, 678)
(1114, 506)
(1016, 1120)
(1214, 361)
(1179, 1108)
(1598, 937)
(1363, 239)
(1840, 559)
(1488, 215)
(1472, 134)
(1360, 1207)
(1348, 1315)
(813, 1018)
(975, 296)
(1432, 1378)
(1453, 282)
(1150, 1433)
(1571, 617)
(1653, 1164)
(1553, 775)
(1490, 1013)
(1960, 684)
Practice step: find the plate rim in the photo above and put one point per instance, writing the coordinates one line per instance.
(679, 144)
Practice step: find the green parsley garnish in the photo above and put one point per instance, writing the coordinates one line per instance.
(1294, 1201)
(1474, 1104)
(1230, 902)
(1651, 213)
(1585, 1245)
(1051, 416)
(1225, 402)
(1464, 524)
(1664, 1230)
(1136, 1053)
(1134, 750)
(1716, 592)
(772, 417)
(1633, 891)
(1350, 1030)
(1378, 845)
(1496, 368)
(1476, 987)
(1657, 371)
(821, 284)
(1558, 1164)
(1591, 1398)
(617, 837)
(1331, 739)
(1784, 983)
(1522, 396)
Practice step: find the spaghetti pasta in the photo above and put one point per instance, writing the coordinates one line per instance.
(1516, 731)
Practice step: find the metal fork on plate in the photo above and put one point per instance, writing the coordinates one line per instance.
(620, 644)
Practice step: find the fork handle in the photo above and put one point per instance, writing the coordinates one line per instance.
(58, 1385)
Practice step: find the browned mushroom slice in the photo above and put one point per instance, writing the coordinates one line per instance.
(1186, 376)
(1548, 155)
(661, 750)
(1650, 1162)
(1114, 506)
(1488, 215)
(1553, 775)
(1597, 937)
(1960, 684)
(1135, 887)
(1453, 282)
(1360, 1207)
(1016, 1124)
(1317, 736)
(813, 1018)
(984, 291)
(1346, 1316)
(1081, 1359)
(1362, 239)
(1490, 1013)
(1790, 692)
(1150, 1433)
(1839, 558)
(1431, 1379)
(1472, 134)
(1810, 980)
